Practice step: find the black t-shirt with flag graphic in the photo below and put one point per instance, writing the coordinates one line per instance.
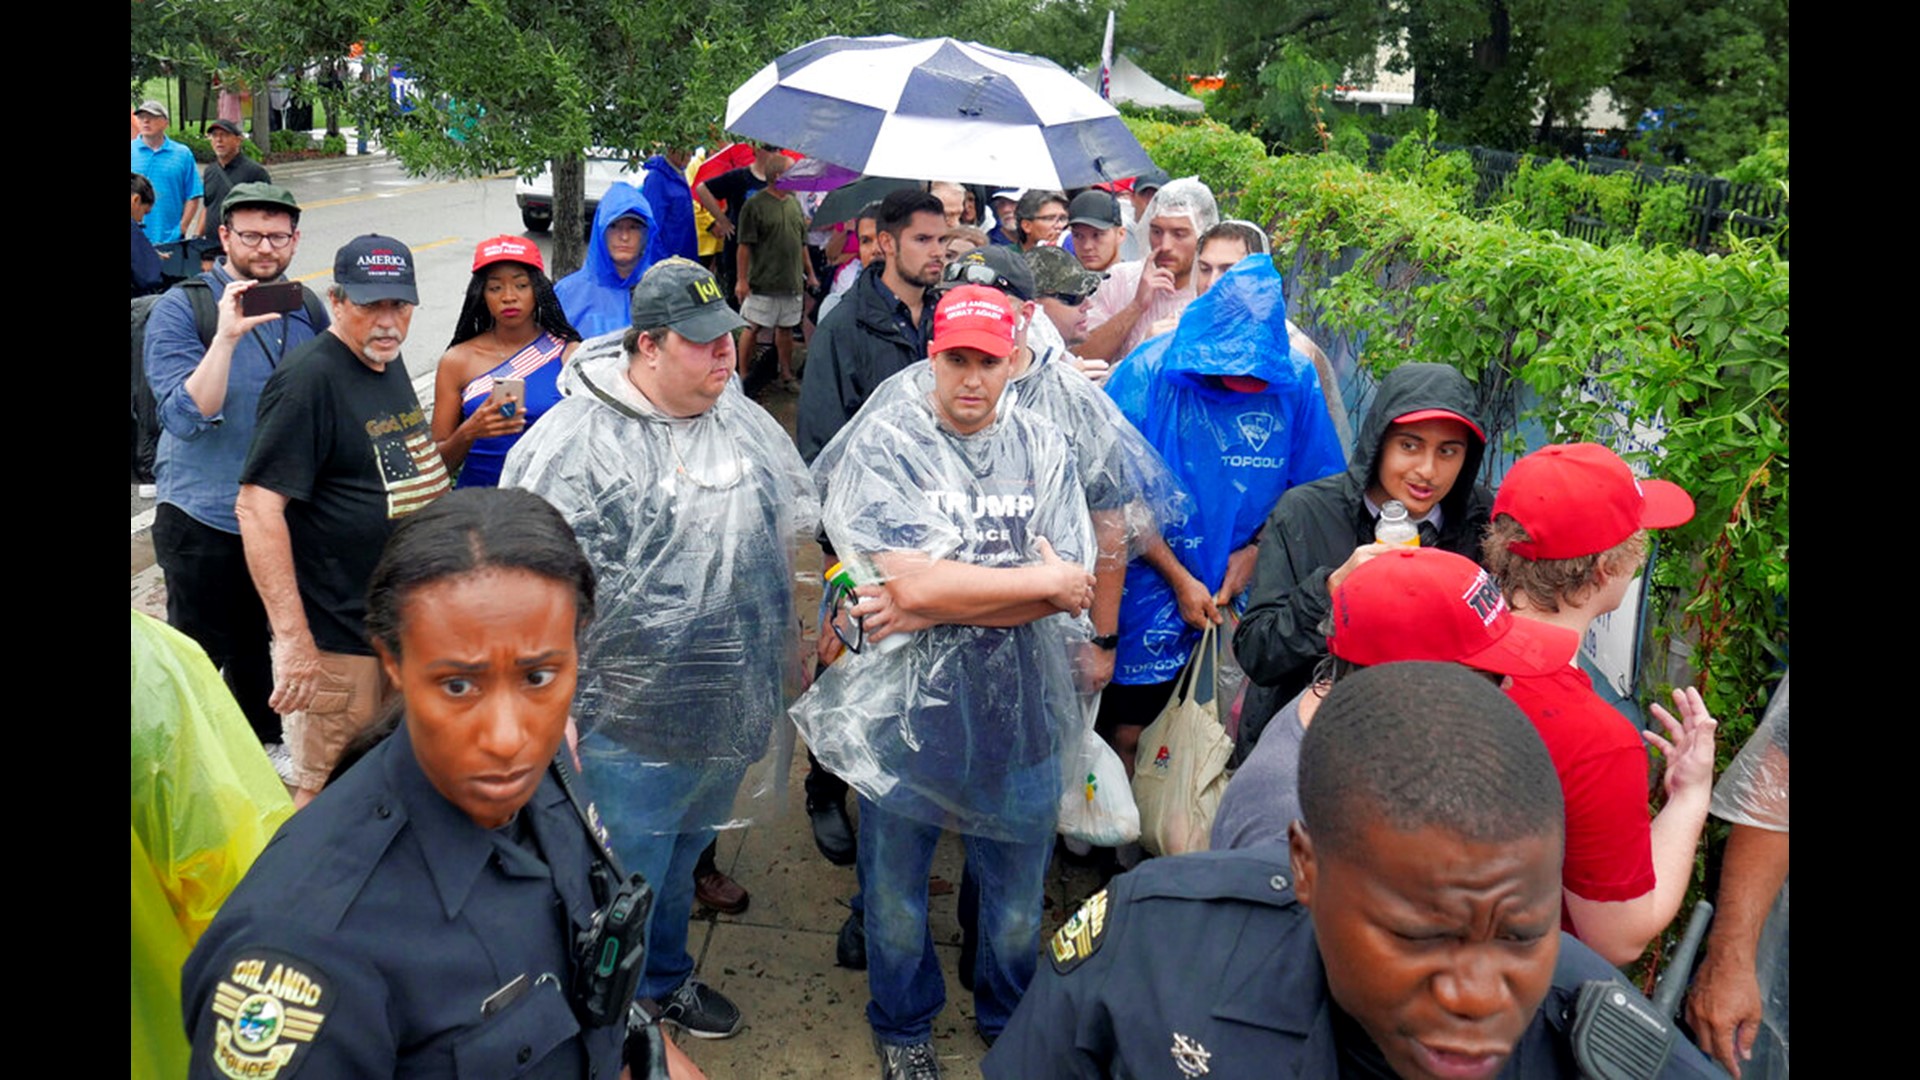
(350, 447)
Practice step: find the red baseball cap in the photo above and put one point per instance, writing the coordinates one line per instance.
(1429, 604)
(1418, 415)
(973, 317)
(1580, 499)
(507, 249)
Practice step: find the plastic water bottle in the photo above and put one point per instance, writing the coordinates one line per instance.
(1393, 527)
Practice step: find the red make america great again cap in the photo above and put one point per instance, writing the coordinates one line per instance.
(1580, 499)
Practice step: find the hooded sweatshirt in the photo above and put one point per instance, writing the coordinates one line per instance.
(1235, 452)
(1316, 526)
(597, 297)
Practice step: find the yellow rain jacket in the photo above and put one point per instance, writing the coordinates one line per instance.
(205, 801)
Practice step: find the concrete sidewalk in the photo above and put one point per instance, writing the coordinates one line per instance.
(806, 1017)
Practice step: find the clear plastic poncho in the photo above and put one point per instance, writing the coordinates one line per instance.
(690, 526)
(1753, 791)
(1129, 489)
(963, 725)
(205, 800)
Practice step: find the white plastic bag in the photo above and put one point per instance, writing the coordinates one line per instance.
(1096, 804)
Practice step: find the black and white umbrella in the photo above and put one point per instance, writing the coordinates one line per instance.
(937, 109)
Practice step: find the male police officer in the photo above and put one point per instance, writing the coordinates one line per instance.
(1415, 933)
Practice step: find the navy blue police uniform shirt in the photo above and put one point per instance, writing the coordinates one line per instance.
(373, 929)
(1205, 965)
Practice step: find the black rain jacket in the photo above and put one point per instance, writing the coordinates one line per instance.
(853, 350)
(1314, 527)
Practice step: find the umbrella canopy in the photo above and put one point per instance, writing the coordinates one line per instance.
(845, 203)
(937, 109)
(731, 156)
(813, 174)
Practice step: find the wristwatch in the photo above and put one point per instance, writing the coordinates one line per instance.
(1108, 642)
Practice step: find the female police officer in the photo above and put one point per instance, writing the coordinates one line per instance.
(419, 917)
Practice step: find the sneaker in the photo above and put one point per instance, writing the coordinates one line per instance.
(910, 1062)
(701, 1011)
(282, 761)
(850, 948)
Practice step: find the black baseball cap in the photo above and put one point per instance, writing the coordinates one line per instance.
(231, 127)
(683, 296)
(998, 266)
(1096, 208)
(371, 268)
(1151, 180)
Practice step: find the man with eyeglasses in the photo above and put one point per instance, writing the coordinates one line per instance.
(341, 450)
(1041, 217)
(207, 364)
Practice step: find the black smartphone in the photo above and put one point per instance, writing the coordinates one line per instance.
(267, 299)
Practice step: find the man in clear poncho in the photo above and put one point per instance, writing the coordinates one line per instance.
(1130, 493)
(686, 498)
(1737, 1005)
(205, 801)
(973, 517)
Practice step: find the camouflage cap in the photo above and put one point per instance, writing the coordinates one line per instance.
(1055, 272)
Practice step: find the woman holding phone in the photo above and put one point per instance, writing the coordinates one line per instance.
(500, 372)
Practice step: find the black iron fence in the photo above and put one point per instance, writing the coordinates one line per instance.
(1715, 206)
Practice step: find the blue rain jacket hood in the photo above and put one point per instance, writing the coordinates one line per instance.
(1236, 452)
(672, 203)
(597, 298)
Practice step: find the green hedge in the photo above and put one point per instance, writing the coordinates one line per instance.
(1696, 342)
(1608, 338)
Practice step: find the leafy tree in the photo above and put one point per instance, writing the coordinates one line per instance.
(244, 43)
(1717, 69)
(1484, 65)
(512, 84)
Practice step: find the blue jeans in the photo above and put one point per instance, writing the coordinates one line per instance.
(903, 974)
(659, 818)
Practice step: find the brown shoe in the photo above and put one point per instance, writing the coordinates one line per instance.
(721, 893)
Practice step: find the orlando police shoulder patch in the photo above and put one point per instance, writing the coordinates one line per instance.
(264, 1013)
(1079, 937)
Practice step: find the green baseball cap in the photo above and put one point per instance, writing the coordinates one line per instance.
(682, 296)
(262, 194)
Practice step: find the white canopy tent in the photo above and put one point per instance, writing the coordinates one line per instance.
(1130, 84)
